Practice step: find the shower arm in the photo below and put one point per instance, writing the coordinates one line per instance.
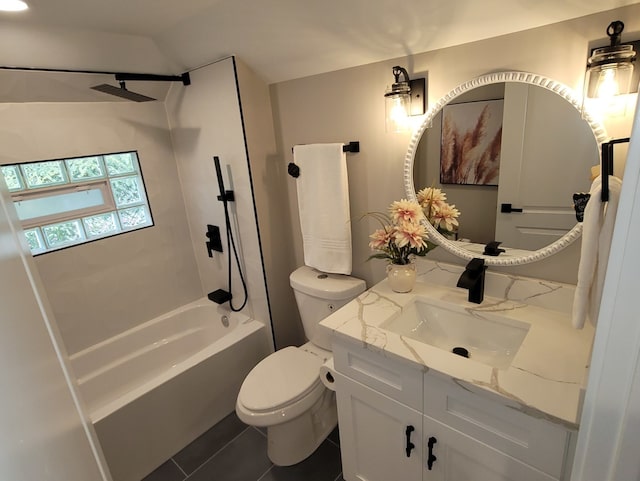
(120, 77)
(184, 78)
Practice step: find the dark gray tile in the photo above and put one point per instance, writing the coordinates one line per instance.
(196, 453)
(245, 459)
(167, 472)
(322, 465)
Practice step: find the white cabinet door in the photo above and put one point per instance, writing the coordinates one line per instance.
(458, 457)
(374, 434)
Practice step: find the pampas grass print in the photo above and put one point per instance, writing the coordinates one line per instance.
(468, 156)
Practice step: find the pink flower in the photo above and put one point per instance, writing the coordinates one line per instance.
(405, 211)
(380, 239)
(445, 217)
(431, 196)
(411, 234)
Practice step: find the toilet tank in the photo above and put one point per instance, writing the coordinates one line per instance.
(318, 295)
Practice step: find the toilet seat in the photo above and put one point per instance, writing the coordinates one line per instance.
(279, 380)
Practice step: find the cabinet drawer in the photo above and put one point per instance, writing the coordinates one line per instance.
(387, 376)
(537, 442)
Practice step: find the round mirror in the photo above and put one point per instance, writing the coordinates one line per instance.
(509, 149)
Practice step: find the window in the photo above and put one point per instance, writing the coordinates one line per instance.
(71, 201)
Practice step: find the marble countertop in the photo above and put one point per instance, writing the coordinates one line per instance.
(547, 376)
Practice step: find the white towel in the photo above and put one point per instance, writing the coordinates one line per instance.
(323, 201)
(597, 229)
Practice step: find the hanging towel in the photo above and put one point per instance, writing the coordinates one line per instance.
(323, 201)
(597, 229)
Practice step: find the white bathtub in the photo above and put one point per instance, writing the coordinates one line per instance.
(153, 389)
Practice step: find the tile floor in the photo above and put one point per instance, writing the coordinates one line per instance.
(233, 451)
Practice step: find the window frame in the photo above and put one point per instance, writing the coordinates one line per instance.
(103, 183)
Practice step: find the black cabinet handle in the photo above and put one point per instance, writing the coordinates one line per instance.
(507, 209)
(431, 457)
(410, 445)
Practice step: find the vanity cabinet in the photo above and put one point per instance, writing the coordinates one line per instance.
(380, 438)
(394, 418)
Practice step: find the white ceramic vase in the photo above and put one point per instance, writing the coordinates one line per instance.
(402, 278)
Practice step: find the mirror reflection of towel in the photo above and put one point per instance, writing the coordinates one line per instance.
(323, 202)
(597, 230)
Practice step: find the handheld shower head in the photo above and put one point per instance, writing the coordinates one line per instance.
(225, 195)
(216, 161)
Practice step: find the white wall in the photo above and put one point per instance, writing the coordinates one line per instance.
(206, 121)
(108, 286)
(348, 105)
(44, 433)
(268, 176)
(607, 447)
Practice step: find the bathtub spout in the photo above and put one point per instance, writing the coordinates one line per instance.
(219, 296)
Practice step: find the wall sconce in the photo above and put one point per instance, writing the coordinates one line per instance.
(403, 99)
(610, 69)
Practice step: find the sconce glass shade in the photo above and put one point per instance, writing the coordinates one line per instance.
(402, 100)
(397, 105)
(610, 72)
(610, 69)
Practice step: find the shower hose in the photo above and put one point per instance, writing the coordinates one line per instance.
(231, 245)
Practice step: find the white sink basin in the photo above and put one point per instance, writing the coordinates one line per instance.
(489, 338)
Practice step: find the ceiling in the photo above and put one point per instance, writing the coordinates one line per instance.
(278, 39)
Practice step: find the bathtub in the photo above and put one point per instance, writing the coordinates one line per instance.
(153, 389)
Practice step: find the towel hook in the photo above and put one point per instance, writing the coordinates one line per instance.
(606, 168)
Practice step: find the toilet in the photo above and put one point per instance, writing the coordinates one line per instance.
(283, 392)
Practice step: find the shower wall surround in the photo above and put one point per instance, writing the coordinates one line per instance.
(206, 120)
(349, 104)
(102, 288)
(105, 287)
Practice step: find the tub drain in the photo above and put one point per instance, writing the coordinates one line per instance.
(460, 351)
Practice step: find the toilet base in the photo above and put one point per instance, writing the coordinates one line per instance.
(293, 441)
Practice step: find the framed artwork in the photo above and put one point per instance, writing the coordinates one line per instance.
(470, 143)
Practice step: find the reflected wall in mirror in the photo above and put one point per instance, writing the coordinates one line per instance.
(547, 150)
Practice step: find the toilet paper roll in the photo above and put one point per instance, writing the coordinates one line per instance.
(327, 375)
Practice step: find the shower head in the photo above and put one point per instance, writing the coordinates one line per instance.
(126, 94)
(122, 92)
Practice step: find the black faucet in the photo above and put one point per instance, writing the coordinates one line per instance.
(473, 279)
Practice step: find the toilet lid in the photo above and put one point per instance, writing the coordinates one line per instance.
(280, 379)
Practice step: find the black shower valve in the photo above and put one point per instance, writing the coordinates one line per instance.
(229, 196)
(215, 241)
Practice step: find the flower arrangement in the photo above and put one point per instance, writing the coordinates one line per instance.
(403, 235)
(440, 214)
